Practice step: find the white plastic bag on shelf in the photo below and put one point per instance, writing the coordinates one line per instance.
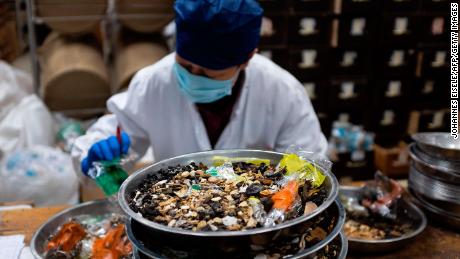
(14, 85)
(24, 119)
(40, 174)
(28, 124)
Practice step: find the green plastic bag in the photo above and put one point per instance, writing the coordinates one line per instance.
(109, 175)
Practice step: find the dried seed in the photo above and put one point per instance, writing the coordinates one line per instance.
(229, 221)
(171, 223)
(234, 227)
(164, 203)
(216, 199)
(266, 181)
(213, 179)
(243, 204)
(309, 207)
(201, 224)
(266, 193)
(217, 220)
(161, 182)
(213, 228)
(185, 174)
(252, 223)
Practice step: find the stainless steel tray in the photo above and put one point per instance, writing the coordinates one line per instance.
(434, 188)
(40, 238)
(134, 180)
(439, 144)
(386, 245)
(307, 253)
(438, 215)
(440, 169)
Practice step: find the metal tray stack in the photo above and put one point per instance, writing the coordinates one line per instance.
(434, 178)
(148, 237)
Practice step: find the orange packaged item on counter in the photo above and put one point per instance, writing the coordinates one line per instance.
(284, 199)
(68, 237)
(114, 245)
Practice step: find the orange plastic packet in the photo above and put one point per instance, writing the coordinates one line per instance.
(68, 237)
(284, 199)
(113, 245)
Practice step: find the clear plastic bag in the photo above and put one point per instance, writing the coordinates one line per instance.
(300, 166)
(381, 196)
(40, 174)
(259, 213)
(110, 175)
(226, 172)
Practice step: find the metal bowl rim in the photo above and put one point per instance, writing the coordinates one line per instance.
(413, 234)
(337, 230)
(65, 211)
(435, 182)
(148, 223)
(344, 250)
(430, 207)
(419, 138)
(423, 163)
(334, 233)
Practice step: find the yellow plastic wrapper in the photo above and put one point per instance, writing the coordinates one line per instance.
(305, 170)
(220, 160)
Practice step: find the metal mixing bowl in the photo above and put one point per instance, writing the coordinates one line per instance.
(412, 213)
(179, 237)
(436, 168)
(341, 238)
(434, 188)
(439, 215)
(40, 238)
(152, 249)
(439, 144)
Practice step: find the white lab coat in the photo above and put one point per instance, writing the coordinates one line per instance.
(272, 113)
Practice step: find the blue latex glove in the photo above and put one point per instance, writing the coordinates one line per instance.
(105, 150)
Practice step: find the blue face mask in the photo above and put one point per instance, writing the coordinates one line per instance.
(200, 89)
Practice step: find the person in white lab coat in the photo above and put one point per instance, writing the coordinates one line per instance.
(214, 92)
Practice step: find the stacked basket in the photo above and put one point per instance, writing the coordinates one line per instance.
(434, 177)
(153, 240)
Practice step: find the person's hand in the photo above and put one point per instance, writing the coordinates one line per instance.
(106, 150)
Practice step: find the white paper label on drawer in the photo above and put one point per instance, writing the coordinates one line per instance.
(348, 58)
(307, 26)
(266, 29)
(394, 89)
(400, 26)
(439, 59)
(397, 58)
(358, 155)
(347, 90)
(388, 118)
(438, 118)
(308, 58)
(344, 117)
(357, 26)
(428, 87)
(437, 26)
(310, 87)
(267, 53)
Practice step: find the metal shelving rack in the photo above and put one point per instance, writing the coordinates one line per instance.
(110, 29)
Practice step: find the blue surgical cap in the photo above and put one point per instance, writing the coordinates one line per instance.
(217, 34)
